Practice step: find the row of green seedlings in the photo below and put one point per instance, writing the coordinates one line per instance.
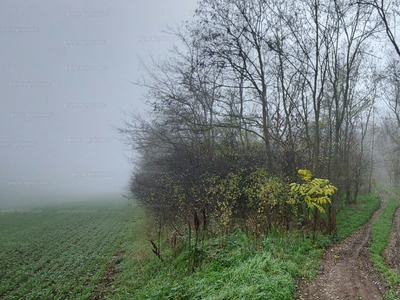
(74, 265)
(79, 266)
(99, 253)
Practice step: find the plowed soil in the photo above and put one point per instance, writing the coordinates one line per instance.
(346, 271)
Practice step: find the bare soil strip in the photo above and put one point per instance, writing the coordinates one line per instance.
(346, 271)
(102, 288)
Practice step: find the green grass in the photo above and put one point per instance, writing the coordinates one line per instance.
(351, 218)
(379, 241)
(233, 266)
(230, 270)
(58, 251)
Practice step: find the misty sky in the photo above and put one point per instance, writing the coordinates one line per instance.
(64, 79)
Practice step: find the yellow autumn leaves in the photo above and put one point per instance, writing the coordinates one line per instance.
(316, 192)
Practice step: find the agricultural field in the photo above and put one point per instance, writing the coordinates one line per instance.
(59, 251)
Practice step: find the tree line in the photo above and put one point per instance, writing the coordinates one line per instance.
(255, 91)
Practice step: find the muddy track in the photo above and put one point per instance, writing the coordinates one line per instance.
(346, 271)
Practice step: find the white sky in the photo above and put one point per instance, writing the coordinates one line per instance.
(65, 68)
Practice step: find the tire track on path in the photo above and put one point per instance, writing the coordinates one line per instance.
(345, 269)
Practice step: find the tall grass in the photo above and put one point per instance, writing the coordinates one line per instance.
(351, 218)
(380, 233)
(233, 266)
(231, 269)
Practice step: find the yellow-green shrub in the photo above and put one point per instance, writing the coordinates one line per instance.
(315, 192)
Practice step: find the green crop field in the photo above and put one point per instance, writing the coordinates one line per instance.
(58, 251)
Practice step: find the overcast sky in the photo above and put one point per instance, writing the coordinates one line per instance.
(64, 80)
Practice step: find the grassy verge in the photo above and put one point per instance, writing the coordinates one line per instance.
(232, 267)
(352, 218)
(230, 270)
(379, 241)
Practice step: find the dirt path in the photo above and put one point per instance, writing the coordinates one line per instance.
(346, 271)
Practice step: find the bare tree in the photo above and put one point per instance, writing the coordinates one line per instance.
(387, 12)
(255, 84)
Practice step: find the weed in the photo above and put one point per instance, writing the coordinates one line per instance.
(234, 266)
(379, 240)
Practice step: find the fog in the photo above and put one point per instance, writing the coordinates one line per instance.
(65, 79)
